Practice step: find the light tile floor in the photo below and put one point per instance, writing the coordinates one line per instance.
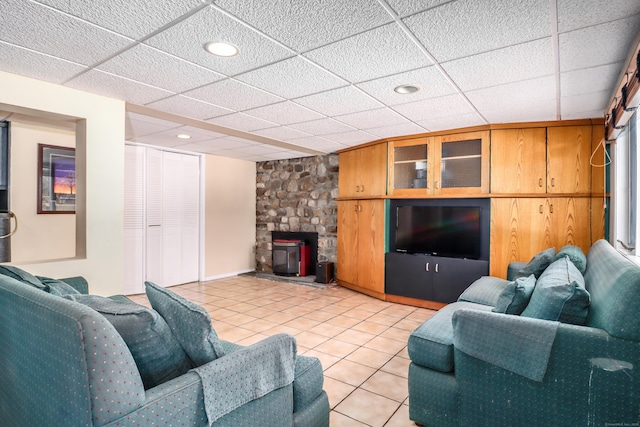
(361, 341)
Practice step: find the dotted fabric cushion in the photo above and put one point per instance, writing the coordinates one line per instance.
(538, 264)
(58, 287)
(560, 295)
(190, 323)
(486, 290)
(431, 344)
(157, 353)
(515, 296)
(576, 256)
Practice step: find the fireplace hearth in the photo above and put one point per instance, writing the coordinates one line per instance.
(294, 253)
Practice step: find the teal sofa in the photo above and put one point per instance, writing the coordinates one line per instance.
(472, 366)
(65, 364)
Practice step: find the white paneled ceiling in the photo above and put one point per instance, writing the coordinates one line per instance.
(315, 76)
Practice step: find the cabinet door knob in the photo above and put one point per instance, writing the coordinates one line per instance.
(426, 266)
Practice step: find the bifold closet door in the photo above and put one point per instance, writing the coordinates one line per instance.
(134, 220)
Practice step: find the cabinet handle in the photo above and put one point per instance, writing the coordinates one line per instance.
(357, 188)
(437, 268)
(359, 208)
(355, 208)
(551, 208)
(426, 266)
(540, 209)
(540, 182)
(553, 182)
(362, 188)
(436, 185)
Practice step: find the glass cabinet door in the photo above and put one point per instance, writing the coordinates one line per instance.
(461, 164)
(410, 166)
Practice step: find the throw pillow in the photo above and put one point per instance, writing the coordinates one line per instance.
(576, 256)
(537, 264)
(156, 351)
(560, 295)
(190, 323)
(23, 276)
(515, 296)
(486, 290)
(57, 287)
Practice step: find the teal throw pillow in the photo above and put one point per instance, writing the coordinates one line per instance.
(23, 276)
(486, 290)
(190, 323)
(58, 287)
(560, 295)
(576, 256)
(157, 353)
(537, 264)
(515, 296)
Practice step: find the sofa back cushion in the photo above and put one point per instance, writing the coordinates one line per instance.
(560, 295)
(614, 284)
(486, 290)
(537, 264)
(576, 256)
(158, 354)
(515, 296)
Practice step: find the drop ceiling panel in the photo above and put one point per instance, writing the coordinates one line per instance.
(276, 78)
(545, 109)
(49, 68)
(512, 96)
(590, 80)
(285, 113)
(146, 64)
(396, 130)
(429, 79)
(282, 133)
(44, 30)
(138, 125)
(451, 122)
(187, 39)
(225, 143)
(602, 44)
(117, 87)
(306, 25)
(318, 143)
(514, 63)
(593, 101)
(167, 138)
(409, 7)
(322, 127)
(116, 14)
(350, 139)
(234, 95)
(332, 102)
(575, 14)
(243, 122)
(449, 105)
(467, 27)
(376, 53)
(372, 118)
(189, 107)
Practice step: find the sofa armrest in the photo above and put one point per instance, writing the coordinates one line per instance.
(79, 283)
(576, 384)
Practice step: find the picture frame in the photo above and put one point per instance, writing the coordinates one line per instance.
(56, 179)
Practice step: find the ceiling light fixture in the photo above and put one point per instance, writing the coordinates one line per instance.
(406, 89)
(221, 49)
(183, 136)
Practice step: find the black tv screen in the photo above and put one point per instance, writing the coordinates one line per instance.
(451, 231)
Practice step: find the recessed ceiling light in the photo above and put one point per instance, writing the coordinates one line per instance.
(221, 49)
(405, 89)
(183, 136)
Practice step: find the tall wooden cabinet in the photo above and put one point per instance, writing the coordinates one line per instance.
(361, 243)
(363, 172)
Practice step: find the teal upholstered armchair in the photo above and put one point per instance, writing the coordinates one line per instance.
(77, 360)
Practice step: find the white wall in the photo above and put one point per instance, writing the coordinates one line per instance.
(104, 181)
(230, 216)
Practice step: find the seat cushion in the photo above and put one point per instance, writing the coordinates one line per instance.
(576, 256)
(486, 290)
(431, 344)
(190, 323)
(158, 354)
(515, 296)
(537, 264)
(560, 295)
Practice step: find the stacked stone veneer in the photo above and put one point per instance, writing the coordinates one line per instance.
(297, 195)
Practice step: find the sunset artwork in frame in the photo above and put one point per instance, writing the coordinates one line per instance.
(56, 179)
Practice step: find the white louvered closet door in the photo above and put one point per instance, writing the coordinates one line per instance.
(134, 220)
(154, 222)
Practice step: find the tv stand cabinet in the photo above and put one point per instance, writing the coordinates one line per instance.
(431, 278)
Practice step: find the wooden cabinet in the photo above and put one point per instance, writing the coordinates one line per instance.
(568, 153)
(440, 165)
(519, 160)
(522, 227)
(361, 243)
(363, 171)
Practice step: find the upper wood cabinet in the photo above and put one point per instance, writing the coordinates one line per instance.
(519, 160)
(440, 165)
(363, 171)
(568, 153)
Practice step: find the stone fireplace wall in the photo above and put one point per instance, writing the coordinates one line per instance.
(297, 195)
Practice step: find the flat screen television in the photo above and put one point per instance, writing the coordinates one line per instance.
(450, 231)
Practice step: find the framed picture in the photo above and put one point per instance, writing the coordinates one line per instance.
(56, 179)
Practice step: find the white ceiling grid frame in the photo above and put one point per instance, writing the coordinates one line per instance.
(189, 107)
